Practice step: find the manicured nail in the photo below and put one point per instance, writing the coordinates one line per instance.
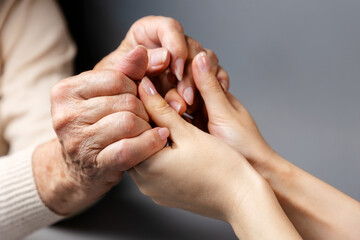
(203, 62)
(189, 95)
(163, 133)
(179, 68)
(175, 105)
(158, 57)
(148, 86)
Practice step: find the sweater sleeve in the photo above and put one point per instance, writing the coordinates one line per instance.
(36, 52)
(21, 209)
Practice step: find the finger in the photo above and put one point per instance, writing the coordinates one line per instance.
(159, 111)
(134, 64)
(186, 87)
(208, 85)
(114, 127)
(223, 78)
(96, 108)
(159, 60)
(96, 83)
(127, 153)
(165, 32)
(175, 101)
(221, 74)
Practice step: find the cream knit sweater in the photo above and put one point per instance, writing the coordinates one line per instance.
(35, 52)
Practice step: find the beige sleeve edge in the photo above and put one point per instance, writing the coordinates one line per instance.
(21, 209)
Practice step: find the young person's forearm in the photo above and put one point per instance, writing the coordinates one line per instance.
(317, 210)
(259, 215)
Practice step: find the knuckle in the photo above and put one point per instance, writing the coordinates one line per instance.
(174, 24)
(128, 120)
(60, 90)
(212, 56)
(87, 74)
(124, 156)
(61, 121)
(131, 102)
(213, 86)
(163, 108)
(64, 117)
(194, 47)
(153, 141)
(72, 146)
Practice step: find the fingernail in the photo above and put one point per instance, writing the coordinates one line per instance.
(175, 105)
(203, 62)
(158, 57)
(163, 133)
(148, 86)
(189, 95)
(179, 68)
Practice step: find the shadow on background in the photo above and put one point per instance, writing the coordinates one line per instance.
(125, 213)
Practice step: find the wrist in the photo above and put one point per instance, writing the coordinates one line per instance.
(58, 187)
(274, 167)
(245, 205)
(241, 186)
(258, 214)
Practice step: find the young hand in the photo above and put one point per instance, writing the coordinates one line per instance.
(228, 119)
(202, 174)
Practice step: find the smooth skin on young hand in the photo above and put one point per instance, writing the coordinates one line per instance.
(317, 210)
(202, 174)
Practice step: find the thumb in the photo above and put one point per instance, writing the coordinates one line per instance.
(159, 111)
(134, 63)
(208, 85)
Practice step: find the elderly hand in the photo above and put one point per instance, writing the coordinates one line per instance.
(103, 130)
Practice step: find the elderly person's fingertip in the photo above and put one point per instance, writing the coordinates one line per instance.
(163, 132)
(179, 68)
(158, 57)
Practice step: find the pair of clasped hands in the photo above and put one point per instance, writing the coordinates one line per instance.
(105, 119)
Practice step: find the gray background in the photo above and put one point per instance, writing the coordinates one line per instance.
(294, 64)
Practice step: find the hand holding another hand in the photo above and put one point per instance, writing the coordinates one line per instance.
(103, 130)
(203, 174)
(170, 55)
(102, 126)
(228, 119)
(197, 172)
